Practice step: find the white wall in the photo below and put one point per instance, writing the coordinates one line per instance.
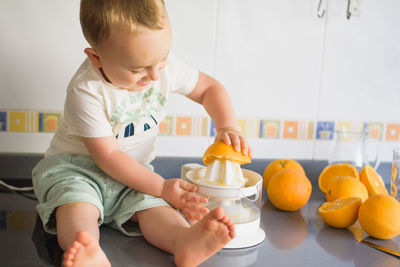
(276, 57)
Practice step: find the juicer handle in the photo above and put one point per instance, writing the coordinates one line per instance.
(188, 167)
(257, 194)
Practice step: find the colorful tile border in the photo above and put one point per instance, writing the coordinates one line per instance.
(325, 130)
(270, 129)
(198, 126)
(392, 132)
(3, 121)
(250, 128)
(28, 121)
(303, 130)
(167, 126)
(49, 121)
(375, 130)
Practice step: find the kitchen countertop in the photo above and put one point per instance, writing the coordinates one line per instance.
(292, 238)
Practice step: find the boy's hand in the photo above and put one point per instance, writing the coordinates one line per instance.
(181, 195)
(230, 135)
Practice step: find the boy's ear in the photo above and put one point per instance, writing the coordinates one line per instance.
(93, 56)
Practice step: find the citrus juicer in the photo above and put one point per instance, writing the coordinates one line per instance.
(241, 202)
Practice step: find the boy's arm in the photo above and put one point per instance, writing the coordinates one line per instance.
(123, 168)
(116, 163)
(213, 96)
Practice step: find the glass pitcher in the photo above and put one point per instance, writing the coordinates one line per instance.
(356, 148)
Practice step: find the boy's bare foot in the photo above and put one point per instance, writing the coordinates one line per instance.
(85, 251)
(204, 239)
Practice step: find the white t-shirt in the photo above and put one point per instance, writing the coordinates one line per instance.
(96, 108)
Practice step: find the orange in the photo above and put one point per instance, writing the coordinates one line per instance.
(372, 181)
(330, 172)
(278, 165)
(340, 213)
(289, 190)
(346, 186)
(220, 150)
(379, 216)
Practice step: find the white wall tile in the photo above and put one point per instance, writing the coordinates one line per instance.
(280, 148)
(193, 29)
(41, 47)
(361, 68)
(324, 150)
(269, 56)
(182, 146)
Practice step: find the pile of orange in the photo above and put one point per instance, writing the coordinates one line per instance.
(351, 195)
(287, 185)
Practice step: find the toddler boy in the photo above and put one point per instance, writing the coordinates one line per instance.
(97, 169)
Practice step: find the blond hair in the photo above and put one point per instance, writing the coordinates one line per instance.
(98, 16)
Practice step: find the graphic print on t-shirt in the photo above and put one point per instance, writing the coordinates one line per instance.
(137, 113)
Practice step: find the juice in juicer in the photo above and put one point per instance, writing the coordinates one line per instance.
(236, 190)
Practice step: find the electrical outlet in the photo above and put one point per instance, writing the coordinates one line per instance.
(355, 7)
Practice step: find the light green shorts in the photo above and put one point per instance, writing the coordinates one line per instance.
(66, 178)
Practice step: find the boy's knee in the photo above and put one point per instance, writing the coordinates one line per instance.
(84, 209)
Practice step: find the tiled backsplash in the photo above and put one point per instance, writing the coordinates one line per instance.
(28, 121)
(293, 77)
(37, 122)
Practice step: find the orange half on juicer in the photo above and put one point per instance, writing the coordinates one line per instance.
(223, 165)
(220, 150)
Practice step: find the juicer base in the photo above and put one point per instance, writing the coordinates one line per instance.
(246, 240)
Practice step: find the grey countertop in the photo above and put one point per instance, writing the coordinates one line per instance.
(292, 238)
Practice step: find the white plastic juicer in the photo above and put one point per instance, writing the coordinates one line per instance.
(241, 204)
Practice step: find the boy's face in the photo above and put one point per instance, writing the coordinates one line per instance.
(132, 61)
